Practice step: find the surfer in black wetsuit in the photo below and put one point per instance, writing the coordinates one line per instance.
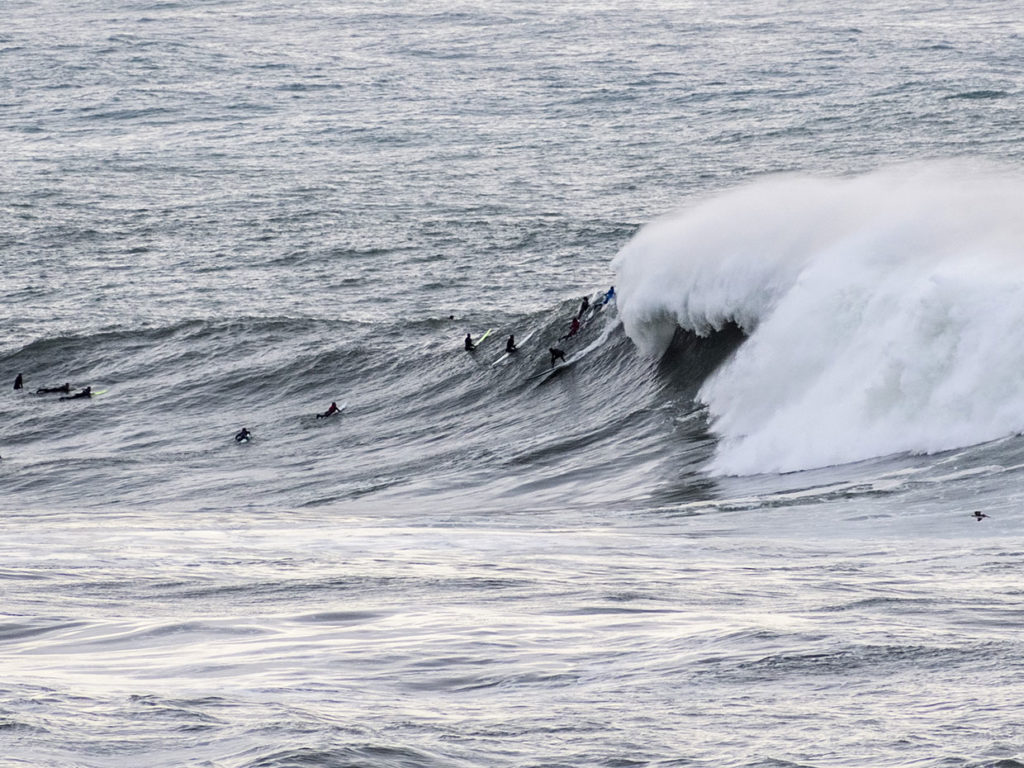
(243, 436)
(584, 306)
(470, 346)
(510, 345)
(978, 515)
(556, 354)
(49, 390)
(86, 392)
(18, 383)
(329, 412)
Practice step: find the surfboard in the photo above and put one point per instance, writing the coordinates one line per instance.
(552, 371)
(486, 334)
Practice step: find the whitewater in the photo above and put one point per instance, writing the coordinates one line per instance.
(734, 528)
(883, 312)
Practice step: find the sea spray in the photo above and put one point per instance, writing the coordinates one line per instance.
(885, 312)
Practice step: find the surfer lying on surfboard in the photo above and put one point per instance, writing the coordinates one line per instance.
(329, 412)
(65, 388)
(86, 392)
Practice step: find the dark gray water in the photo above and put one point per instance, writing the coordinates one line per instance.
(734, 531)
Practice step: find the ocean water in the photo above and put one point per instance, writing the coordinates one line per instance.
(733, 529)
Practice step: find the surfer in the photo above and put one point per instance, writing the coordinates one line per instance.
(329, 412)
(244, 436)
(556, 354)
(470, 346)
(18, 383)
(573, 329)
(86, 392)
(610, 296)
(584, 306)
(47, 390)
(978, 515)
(510, 345)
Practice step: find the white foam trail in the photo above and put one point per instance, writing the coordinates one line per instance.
(885, 313)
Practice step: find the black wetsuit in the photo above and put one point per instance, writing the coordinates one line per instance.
(242, 436)
(510, 345)
(556, 354)
(17, 382)
(50, 390)
(87, 392)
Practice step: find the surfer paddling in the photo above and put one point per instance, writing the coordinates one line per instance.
(85, 393)
(978, 515)
(243, 436)
(65, 388)
(330, 411)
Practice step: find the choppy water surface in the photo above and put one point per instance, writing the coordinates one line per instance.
(734, 530)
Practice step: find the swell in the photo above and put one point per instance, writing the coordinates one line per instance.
(421, 415)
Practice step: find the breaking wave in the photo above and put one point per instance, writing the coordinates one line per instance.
(884, 313)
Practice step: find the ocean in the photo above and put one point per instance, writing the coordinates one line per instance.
(733, 528)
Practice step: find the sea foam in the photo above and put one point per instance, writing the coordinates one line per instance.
(884, 313)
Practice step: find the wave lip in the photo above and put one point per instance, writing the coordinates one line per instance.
(885, 313)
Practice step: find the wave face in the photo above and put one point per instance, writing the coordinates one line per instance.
(422, 417)
(884, 312)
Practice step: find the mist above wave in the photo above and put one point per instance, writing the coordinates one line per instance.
(885, 312)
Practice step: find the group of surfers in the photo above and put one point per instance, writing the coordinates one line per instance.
(65, 389)
(574, 328)
(244, 435)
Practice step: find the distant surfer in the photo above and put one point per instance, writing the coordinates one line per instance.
(18, 384)
(329, 412)
(610, 296)
(556, 354)
(584, 306)
(573, 329)
(979, 516)
(243, 436)
(86, 392)
(65, 388)
(470, 346)
(510, 345)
